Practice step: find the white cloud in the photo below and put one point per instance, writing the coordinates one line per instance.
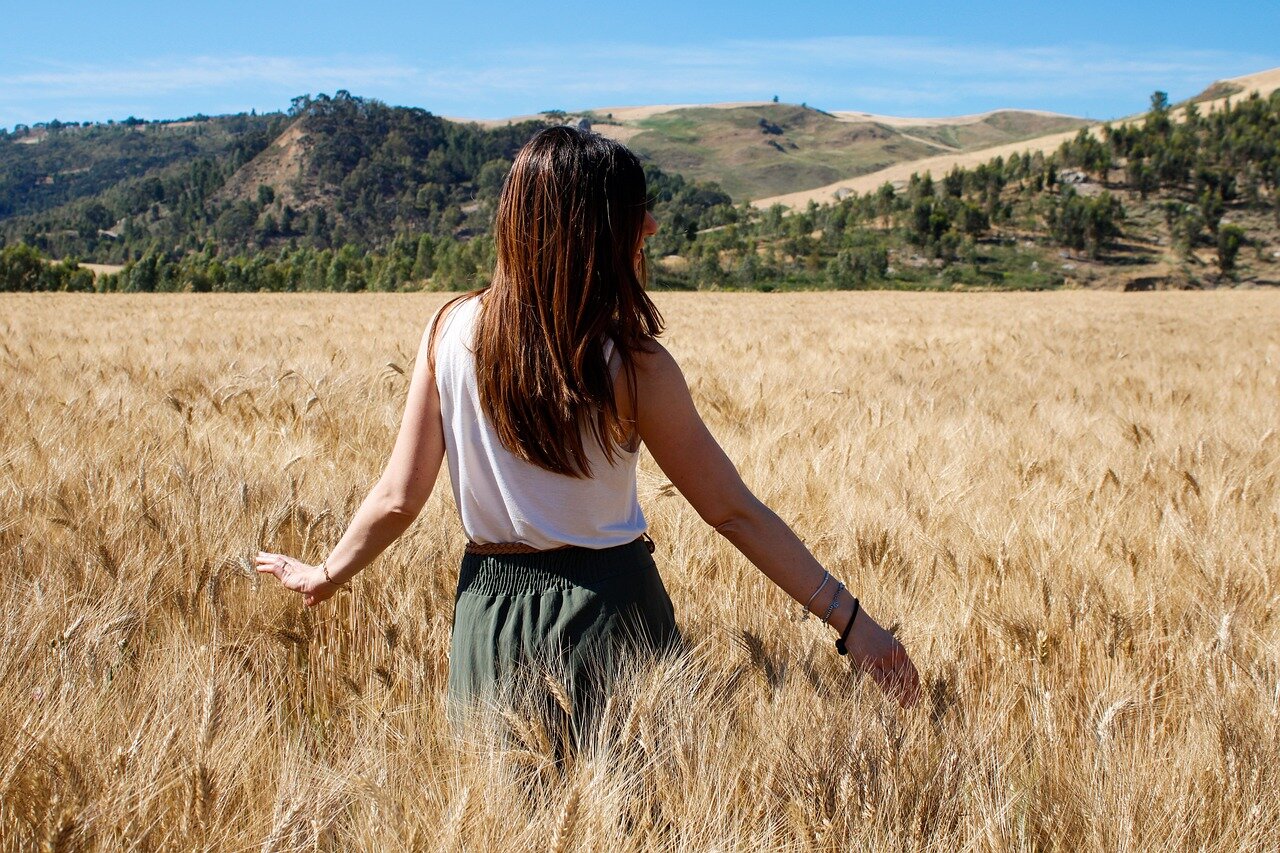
(887, 74)
(201, 73)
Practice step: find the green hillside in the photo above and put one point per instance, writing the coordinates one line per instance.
(332, 171)
(769, 149)
(50, 165)
(353, 195)
(340, 175)
(347, 170)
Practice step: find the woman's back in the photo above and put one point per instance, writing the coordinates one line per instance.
(528, 478)
(503, 498)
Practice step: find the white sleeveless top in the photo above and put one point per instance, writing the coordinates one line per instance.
(502, 498)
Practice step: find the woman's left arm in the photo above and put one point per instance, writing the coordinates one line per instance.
(392, 504)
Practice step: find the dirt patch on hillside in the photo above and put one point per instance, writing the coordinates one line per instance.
(103, 269)
(279, 166)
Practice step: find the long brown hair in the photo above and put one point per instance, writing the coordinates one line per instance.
(568, 226)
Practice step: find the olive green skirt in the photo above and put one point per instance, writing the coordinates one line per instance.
(568, 615)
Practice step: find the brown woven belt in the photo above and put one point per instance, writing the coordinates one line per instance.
(491, 549)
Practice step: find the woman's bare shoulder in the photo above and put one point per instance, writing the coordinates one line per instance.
(654, 362)
(439, 321)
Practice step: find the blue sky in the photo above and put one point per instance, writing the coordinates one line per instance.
(97, 60)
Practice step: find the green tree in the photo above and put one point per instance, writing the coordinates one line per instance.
(424, 258)
(1085, 223)
(21, 267)
(97, 217)
(491, 177)
(1157, 121)
(708, 272)
(1185, 226)
(1230, 239)
(853, 268)
(143, 276)
(79, 279)
(751, 271)
(1212, 207)
(974, 221)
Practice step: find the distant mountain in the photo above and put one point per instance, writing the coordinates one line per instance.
(333, 171)
(348, 193)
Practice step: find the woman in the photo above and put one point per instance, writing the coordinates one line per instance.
(539, 390)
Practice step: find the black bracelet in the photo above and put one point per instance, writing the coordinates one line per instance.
(844, 635)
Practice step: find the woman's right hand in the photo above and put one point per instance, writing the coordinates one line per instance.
(878, 653)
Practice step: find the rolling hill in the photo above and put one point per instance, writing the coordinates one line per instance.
(333, 171)
(1215, 96)
(349, 193)
(345, 169)
(760, 149)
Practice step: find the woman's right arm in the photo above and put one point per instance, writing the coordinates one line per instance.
(670, 426)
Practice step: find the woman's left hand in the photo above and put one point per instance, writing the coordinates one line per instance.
(297, 576)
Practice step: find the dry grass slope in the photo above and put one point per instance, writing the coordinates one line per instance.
(1216, 97)
(1068, 502)
(806, 148)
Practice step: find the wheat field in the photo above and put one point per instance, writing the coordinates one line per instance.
(1067, 504)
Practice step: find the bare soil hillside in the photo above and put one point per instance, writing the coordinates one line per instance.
(280, 166)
